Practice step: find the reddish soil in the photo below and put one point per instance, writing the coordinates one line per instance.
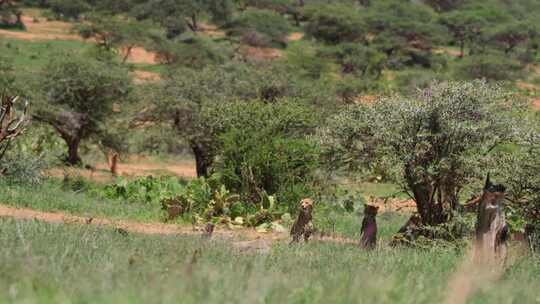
(260, 54)
(448, 51)
(295, 36)
(535, 102)
(527, 86)
(243, 239)
(130, 226)
(140, 55)
(39, 29)
(130, 167)
(144, 76)
(211, 30)
(366, 99)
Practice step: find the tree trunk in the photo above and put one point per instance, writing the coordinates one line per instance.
(128, 52)
(73, 151)
(434, 202)
(461, 49)
(112, 161)
(71, 126)
(202, 161)
(491, 228)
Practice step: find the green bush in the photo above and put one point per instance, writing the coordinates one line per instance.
(69, 9)
(334, 23)
(357, 59)
(270, 153)
(145, 189)
(22, 169)
(260, 28)
(488, 66)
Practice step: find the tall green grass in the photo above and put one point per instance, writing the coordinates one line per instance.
(53, 195)
(52, 263)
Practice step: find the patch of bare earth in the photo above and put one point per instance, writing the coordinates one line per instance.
(140, 55)
(535, 103)
(145, 76)
(527, 86)
(133, 167)
(260, 54)
(211, 30)
(242, 239)
(135, 227)
(448, 51)
(366, 99)
(145, 169)
(38, 29)
(295, 36)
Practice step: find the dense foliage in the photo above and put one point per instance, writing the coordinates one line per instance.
(434, 143)
(264, 93)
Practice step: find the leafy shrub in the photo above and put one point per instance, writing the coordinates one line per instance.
(261, 28)
(411, 81)
(145, 189)
(488, 66)
(266, 151)
(334, 23)
(194, 52)
(22, 168)
(357, 59)
(69, 9)
(443, 133)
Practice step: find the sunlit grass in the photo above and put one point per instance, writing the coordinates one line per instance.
(50, 263)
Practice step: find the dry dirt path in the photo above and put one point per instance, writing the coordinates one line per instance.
(243, 239)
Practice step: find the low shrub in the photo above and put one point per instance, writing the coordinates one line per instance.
(260, 28)
(68, 9)
(270, 154)
(488, 66)
(334, 23)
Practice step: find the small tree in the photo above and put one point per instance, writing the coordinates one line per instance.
(261, 28)
(80, 93)
(510, 35)
(432, 144)
(404, 31)
(177, 16)
(112, 33)
(69, 9)
(357, 59)
(188, 97)
(465, 27)
(335, 23)
(520, 174)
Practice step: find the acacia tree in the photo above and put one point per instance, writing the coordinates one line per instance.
(520, 174)
(113, 32)
(80, 93)
(464, 27)
(189, 98)
(432, 144)
(177, 16)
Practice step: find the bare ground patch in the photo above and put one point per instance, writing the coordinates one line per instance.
(295, 36)
(145, 76)
(39, 29)
(242, 239)
(140, 55)
(133, 167)
(260, 54)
